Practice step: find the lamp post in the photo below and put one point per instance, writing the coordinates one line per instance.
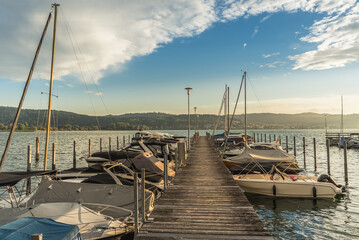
(189, 119)
(195, 120)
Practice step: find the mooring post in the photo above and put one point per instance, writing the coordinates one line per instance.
(37, 153)
(261, 137)
(74, 159)
(176, 159)
(28, 181)
(89, 147)
(124, 141)
(109, 144)
(257, 137)
(294, 146)
(53, 156)
(280, 140)
(304, 152)
(135, 200)
(265, 137)
(286, 143)
(143, 194)
(118, 143)
(274, 139)
(129, 139)
(315, 154)
(181, 152)
(270, 137)
(328, 155)
(165, 157)
(345, 163)
(100, 144)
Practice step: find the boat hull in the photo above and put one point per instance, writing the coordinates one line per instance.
(292, 189)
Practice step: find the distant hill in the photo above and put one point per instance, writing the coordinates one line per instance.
(31, 119)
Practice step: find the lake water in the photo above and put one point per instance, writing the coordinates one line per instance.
(285, 218)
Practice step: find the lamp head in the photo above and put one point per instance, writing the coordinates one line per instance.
(188, 90)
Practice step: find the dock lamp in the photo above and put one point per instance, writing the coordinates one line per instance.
(189, 118)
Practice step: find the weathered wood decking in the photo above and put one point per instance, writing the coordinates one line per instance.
(203, 202)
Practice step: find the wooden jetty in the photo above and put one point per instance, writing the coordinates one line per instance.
(203, 202)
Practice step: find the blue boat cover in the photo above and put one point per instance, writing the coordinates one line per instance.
(25, 227)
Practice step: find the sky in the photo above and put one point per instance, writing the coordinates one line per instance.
(121, 56)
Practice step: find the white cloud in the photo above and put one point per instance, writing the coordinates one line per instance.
(255, 32)
(273, 64)
(244, 45)
(265, 18)
(98, 93)
(270, 54)
(109, 33)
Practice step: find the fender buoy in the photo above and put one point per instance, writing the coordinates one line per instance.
(314, 192)
(274, 190)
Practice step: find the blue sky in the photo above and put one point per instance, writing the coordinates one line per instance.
(140, 55)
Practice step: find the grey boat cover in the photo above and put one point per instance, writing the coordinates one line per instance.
(93, 196)
(92, 225)
(266, 155)
(12, 178)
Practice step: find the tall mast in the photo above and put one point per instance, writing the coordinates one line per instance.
(342, 118)
(228, 111)
(245, 106)
(51, 83)
(225, 109)
(14, 124)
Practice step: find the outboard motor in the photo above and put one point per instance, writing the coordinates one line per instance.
(327, 178)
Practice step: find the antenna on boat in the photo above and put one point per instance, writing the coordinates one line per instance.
(14, 124)
(55, 5)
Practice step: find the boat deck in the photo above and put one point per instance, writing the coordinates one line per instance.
(203, 202)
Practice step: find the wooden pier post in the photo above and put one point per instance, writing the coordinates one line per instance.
(100, 144)
(181, 152)
(129, 139)
(143, 194)
(274, 139)
(345, 163)
(118, 143)
(294, 146)
(37, 149)
(124, 141)
(328, 155)
(254, 137)
(109, 144)
(28, 181)
(304, 152)
(280, 140)
(270, 137)
(261, 137)
(89, 147)
(315, 154)
(257, 137)
(53, 156)
(165, 172)
(135, 200)
(176, 159)
(74, 159)
(265, 137)
(286, 143)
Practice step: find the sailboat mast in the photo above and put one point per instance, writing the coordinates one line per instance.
(14, 124)
(342, 118)
(225, 109)
(228, 110)
(245, 106)
(51, 84)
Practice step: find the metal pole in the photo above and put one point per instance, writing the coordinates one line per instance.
(345, 163)
(286, 143)
(143, 194)
(50, 88)
(53, 156)
(89, 147)
(189, 118)
(304, 152)
(135, 200)
(7, 146)
(195, 119)
(315, 154)
(294, 146)
(28, 181)
(74, 159)
(328, 156)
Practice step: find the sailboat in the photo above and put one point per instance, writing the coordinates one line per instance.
(99, 210)
(277, 183)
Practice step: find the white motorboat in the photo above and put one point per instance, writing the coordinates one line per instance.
(353, 143)
(294, 186)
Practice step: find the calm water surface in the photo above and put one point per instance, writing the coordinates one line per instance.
(285, 218)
